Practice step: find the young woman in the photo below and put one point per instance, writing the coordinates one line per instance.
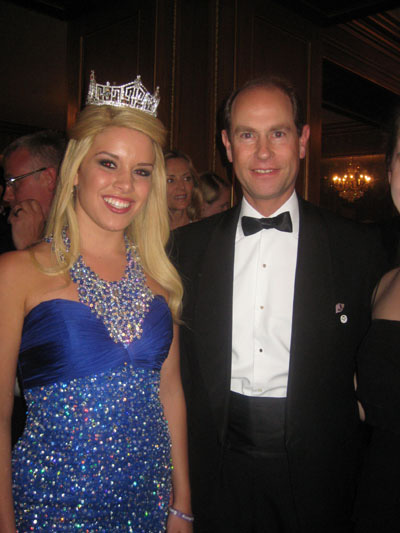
(183, 192)
(89, 315)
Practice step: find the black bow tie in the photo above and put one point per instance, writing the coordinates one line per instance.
(281, 222)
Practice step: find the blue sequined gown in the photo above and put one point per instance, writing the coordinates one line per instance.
(95, 453)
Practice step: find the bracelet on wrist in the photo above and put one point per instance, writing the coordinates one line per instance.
(179, 514)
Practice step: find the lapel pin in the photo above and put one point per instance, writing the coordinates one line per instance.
(339, 308)
(343, 319)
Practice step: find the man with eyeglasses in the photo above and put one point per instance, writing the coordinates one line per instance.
(31, 166)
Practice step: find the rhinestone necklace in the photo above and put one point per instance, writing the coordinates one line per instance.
(121, 305)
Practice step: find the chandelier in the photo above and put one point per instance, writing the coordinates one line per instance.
(352, 184)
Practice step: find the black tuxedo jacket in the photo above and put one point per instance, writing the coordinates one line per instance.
(339, 262)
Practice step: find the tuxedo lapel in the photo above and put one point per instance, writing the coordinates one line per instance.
(313, 307)
(213, 314)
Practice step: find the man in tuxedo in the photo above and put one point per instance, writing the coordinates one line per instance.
(276, 302)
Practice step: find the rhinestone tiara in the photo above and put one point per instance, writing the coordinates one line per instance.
(132, 94)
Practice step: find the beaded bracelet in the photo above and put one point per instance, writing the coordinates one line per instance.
(179, 514)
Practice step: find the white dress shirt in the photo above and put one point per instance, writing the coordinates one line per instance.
(263, 291)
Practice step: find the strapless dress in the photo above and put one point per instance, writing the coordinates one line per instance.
(95, 452)
(378, 501)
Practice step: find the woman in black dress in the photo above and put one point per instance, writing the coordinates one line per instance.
(378, 506)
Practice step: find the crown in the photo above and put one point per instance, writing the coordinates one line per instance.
(132, 94)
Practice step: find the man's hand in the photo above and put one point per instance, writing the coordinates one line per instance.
(27, 221)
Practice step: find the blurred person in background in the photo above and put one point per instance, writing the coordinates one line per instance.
(31, 166)
(216, 194)
(183, 191)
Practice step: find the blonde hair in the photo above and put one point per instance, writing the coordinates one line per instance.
(211, 185)
(149, 230)
(194, 208)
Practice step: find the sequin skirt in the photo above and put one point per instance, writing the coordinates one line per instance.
(94, 456)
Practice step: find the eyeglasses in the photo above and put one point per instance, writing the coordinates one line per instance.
(10, 182)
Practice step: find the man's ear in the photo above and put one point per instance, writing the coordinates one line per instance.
(303, 140)
(227, 144)
(50, 175)
(390, 176)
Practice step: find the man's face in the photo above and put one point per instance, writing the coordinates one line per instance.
(264, 147)
(33, 187)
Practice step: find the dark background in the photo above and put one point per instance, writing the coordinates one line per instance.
(344, 57)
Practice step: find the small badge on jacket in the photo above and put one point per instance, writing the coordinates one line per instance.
(338, 309)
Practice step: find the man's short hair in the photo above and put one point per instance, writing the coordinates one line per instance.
(393, 137)
(47, 147)
(268, 82)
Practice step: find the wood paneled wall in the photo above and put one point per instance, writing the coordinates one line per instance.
(33, 74)
(198, 52)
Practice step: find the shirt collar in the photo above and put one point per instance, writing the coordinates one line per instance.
(291, 205)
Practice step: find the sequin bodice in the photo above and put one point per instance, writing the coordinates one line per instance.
(62, 340)
(95, 453)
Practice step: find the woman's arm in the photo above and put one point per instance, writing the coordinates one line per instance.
(172, 398)
(11, 320)
(385, 303)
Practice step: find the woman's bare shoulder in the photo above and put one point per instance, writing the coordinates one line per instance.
(12, 263)
(21, 267)
(27, 258)
(387, 298)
